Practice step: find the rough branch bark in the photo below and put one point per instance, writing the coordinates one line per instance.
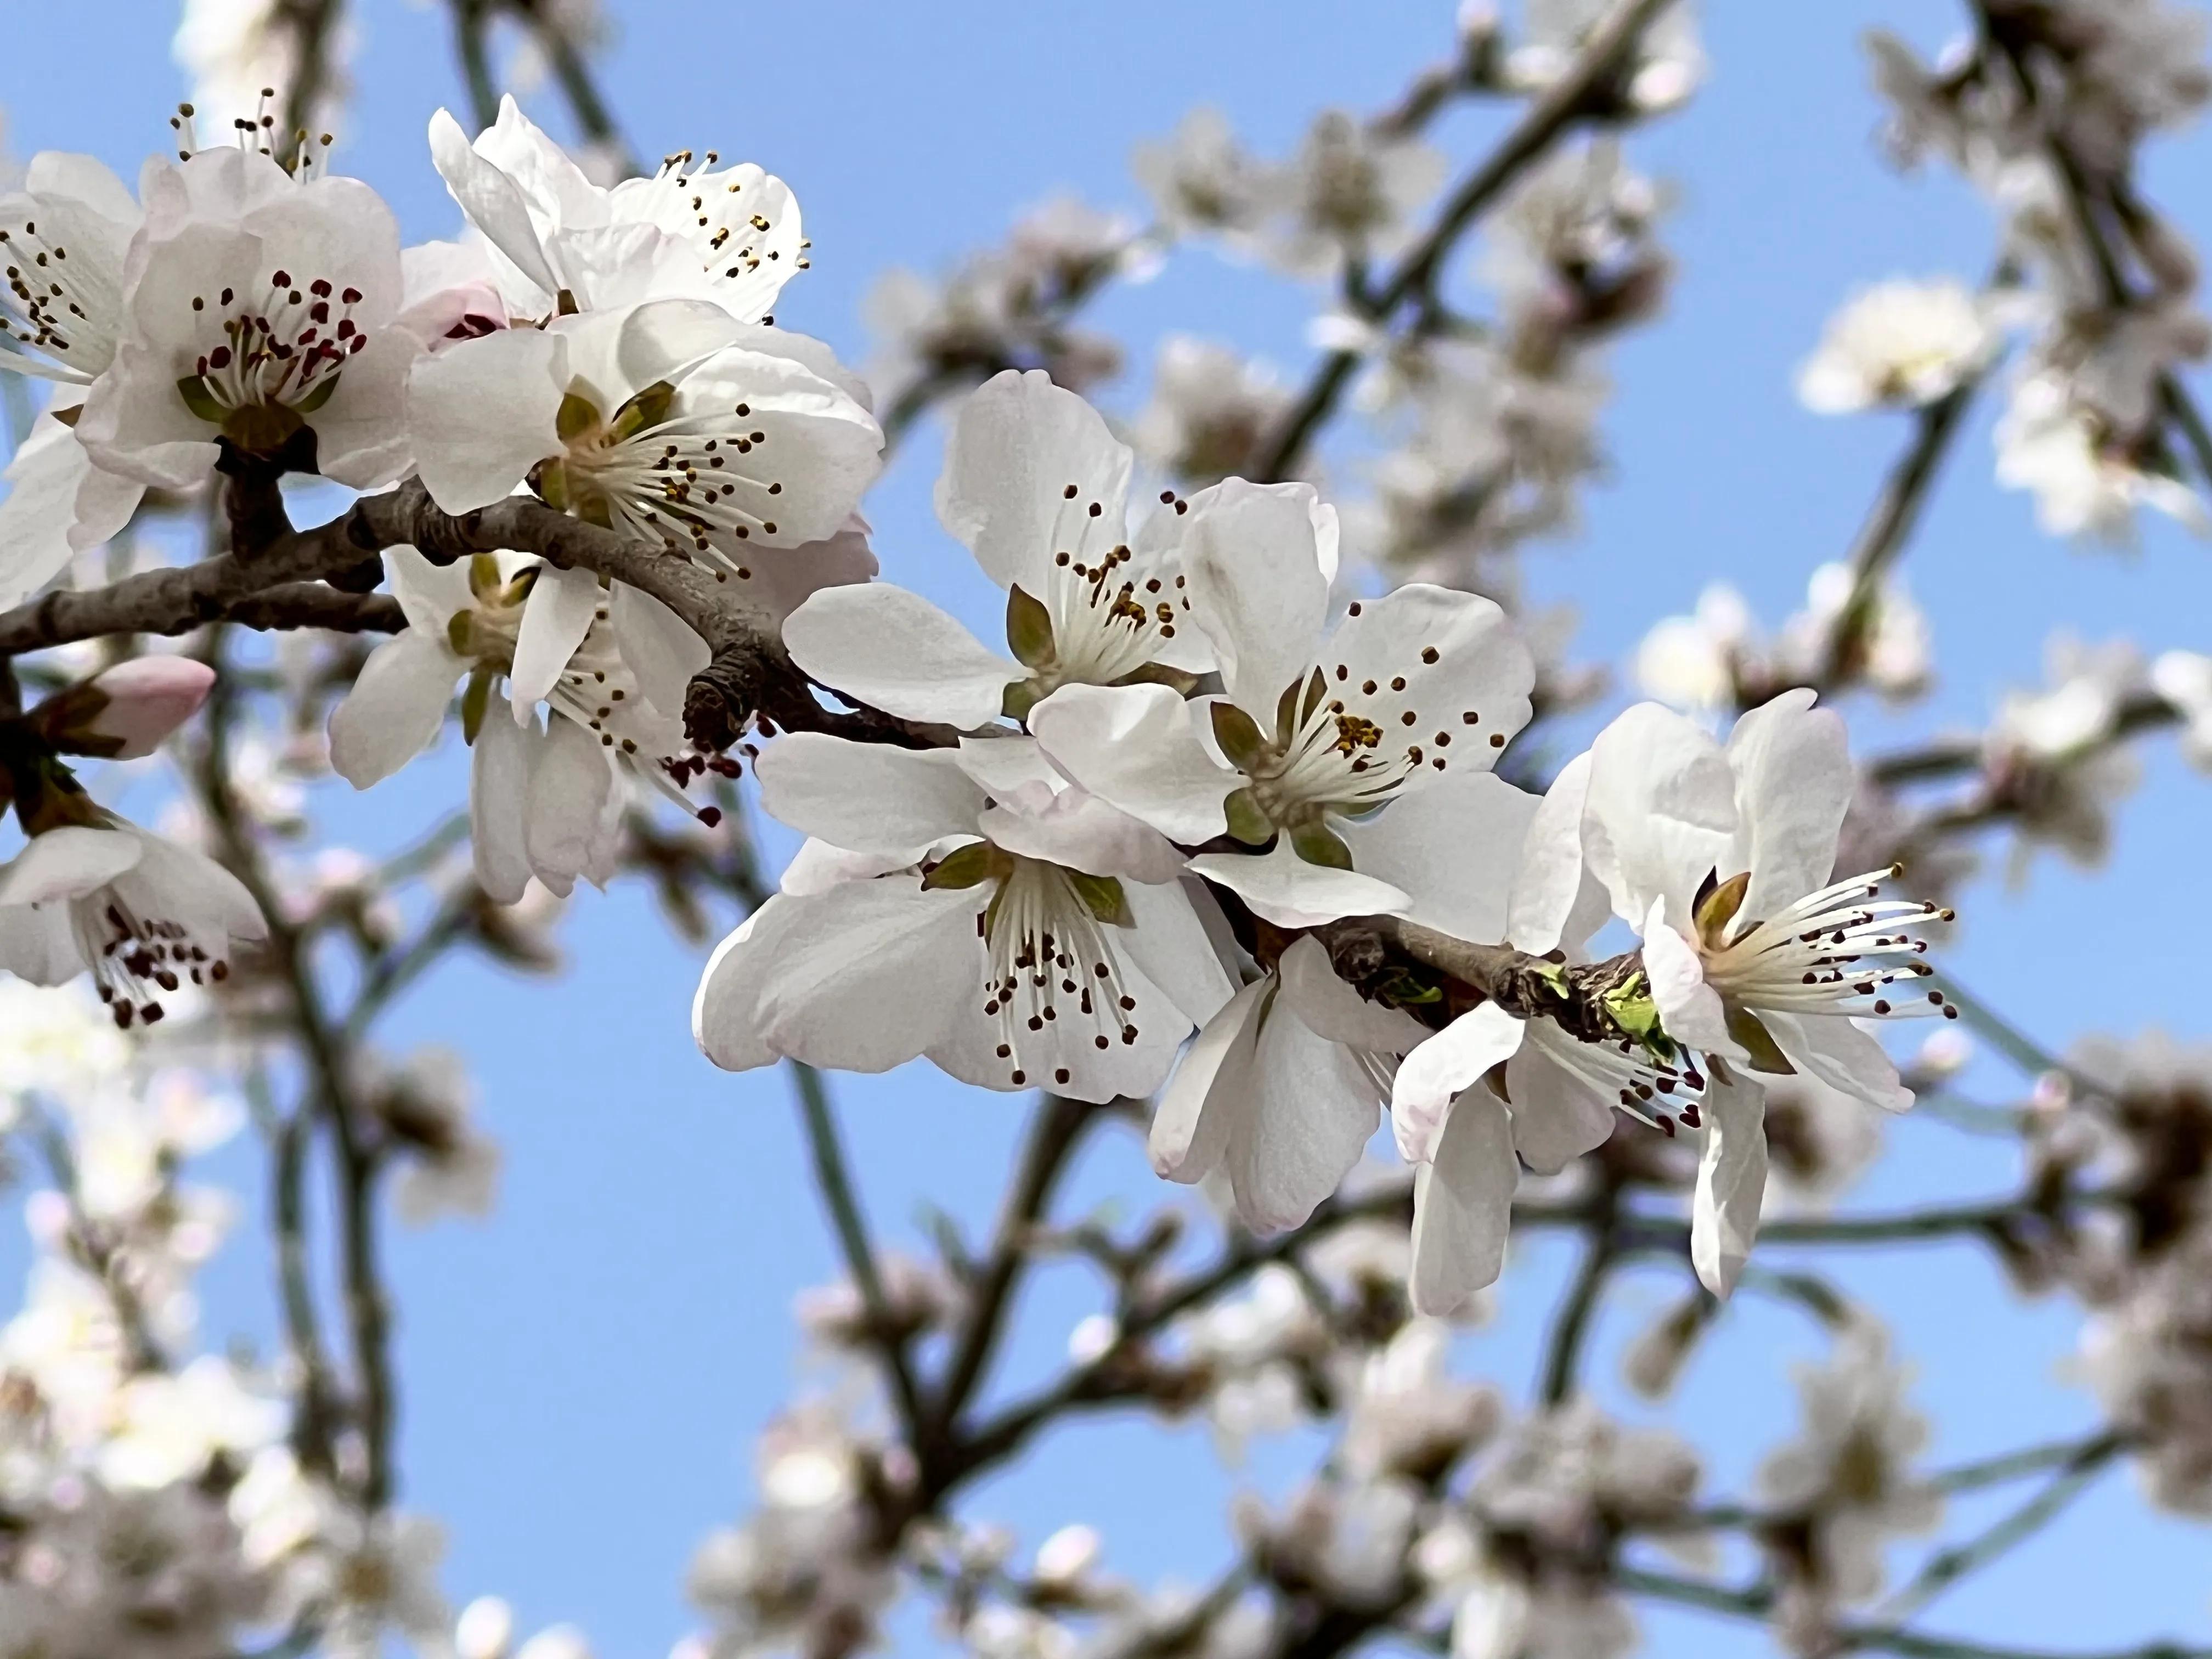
(317, 577)
(1374, 953)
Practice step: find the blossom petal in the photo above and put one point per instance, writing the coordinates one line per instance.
(1794, 782)
(556, 617)
(1659, 812)
(1558, 903)
(1211, 1086)
(570, 791)
(726, 1020)
(1450, 1063)
(499, 778)
(1284, 889)
(38, 943)
(1731, 1181)
(1333, 1010)
(200, 892)
(820, 451)
(1136, 746)
(395, 707)
(67, 863)
(1074, 829)
(1689, 1008)
(494, 201)
(894, 650)
(1020, 446)
(784, 578)
(485, 412)
(1313, 1111)
(430, 593)
(1557, 1114)
(1454, 846)
(1448, 672)
(1170, 943)
(362, 437)
(43, 481)
(867, 797)
(1463, 1206)
(656, 645)
(872, 974)
(817, 867)
(105, 502)
(1833, 1049)
(1257, 590)
(134, 424)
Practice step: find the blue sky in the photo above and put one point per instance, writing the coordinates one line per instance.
(582, 1377)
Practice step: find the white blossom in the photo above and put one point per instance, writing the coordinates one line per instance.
(1319, 724)
(142, 915)
(1666, 68)
(1849, 1476)
(1019, 932)
(671, 422)
(559, 241)
(1037, 487)
(1349, 193)
(1901, 341)
(1201, 179)
(544, 798)
(260, 309)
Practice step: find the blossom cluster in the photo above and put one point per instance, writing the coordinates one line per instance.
(2043, 112)
(1148, 813)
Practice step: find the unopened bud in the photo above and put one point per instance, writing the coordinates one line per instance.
(124, 713)
(485, 1629)
(1068, 1556)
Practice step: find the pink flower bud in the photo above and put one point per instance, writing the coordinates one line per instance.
(148, 698)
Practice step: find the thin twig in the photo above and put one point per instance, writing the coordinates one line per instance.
(843, 1203)
(472, 44)
(1890, 524)
(330, 1067)
(1055, 1130)
(1946, 1567)
(1570, 1325)
(1575, 95)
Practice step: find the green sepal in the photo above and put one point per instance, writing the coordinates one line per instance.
(1103, 896)
(969, 867)
(1159, 673)
(1316, 688)
(319, 396)
(1287, 714)
(483, 574)
(1248, 823)
(261, 428)
(549, 481)
(1717, 908)
(48, 796)
(1766, 1055)
(1555, 976)
(646, 410)
(1238, 735)
(1317, 843)
(1029, 628)
(460, 633)
(577, 415)
(476, 701)
(1021, 696)
(193, 389)
(1636, 1016)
